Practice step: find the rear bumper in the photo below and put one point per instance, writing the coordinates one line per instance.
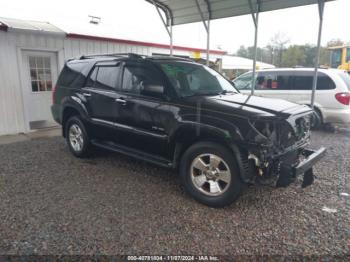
(336, 115)
(56, 113)
(312, 157)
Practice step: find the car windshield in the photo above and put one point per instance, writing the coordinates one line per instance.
(346, 78)
(243, 82)
(192, 79)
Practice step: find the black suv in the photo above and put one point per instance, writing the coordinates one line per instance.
(176, 113)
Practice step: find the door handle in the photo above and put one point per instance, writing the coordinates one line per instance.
(121, 101)
(86, 94)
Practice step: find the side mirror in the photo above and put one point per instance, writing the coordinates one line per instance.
(153, 90)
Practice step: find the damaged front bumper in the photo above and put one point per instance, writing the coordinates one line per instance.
(288, 172)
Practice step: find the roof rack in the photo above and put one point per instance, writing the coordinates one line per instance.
(130, 55)
(167, 57)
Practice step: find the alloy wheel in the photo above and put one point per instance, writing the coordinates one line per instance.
(76, 138)
(210, 174)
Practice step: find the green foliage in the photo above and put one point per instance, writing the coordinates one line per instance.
(293, 55)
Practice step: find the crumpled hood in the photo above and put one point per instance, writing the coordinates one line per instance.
(256, 106)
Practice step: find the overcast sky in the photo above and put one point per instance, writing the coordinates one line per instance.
(138, 20)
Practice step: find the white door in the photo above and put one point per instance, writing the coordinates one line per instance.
(40, 74)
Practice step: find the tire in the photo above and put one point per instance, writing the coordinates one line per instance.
(328, 127)
(77, 138)
(192, 174)
(316, 120)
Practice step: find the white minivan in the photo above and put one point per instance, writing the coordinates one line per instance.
(332, 100)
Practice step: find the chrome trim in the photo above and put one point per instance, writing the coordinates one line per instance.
(132, 129)
(102, 121)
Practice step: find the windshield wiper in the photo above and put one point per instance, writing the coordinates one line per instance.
(204, 94)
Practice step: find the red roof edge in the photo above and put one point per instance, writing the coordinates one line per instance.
(3, 27)
(131, 42)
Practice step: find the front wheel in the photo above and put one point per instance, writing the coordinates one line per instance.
(316, 119)
(77, 137)
(210, 174)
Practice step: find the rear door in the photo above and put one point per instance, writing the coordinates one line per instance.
(100, 98)
(302, 88)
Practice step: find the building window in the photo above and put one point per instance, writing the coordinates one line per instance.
(40, 73)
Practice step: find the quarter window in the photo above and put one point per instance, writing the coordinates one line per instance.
(40, 73)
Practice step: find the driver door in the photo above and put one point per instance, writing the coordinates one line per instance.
(142, 115)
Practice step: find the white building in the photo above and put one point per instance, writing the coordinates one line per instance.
(32, 54)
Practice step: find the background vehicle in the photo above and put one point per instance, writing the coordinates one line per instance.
(179, 114)
(340, 57)
(332, 100)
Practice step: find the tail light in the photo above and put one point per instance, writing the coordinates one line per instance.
(53, 94)
(343, 98)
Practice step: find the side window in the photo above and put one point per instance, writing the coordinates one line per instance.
(302, 82)
(137, 75)
(266, 81)
(107, 77)
(305, 82)
(283, 81)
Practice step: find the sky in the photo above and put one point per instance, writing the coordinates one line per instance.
(138, 20)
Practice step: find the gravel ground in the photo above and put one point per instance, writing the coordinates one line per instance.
(53, 203)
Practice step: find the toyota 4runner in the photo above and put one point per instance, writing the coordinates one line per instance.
(179, 114)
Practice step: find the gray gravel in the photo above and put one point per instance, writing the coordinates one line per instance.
(53, 203)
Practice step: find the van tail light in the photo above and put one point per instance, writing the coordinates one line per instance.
(343, 98)
(54, 94)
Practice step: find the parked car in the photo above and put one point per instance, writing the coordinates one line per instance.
(332, 100)
(179, 114)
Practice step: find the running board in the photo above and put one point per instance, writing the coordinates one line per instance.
(155, 159)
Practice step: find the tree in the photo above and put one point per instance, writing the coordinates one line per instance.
(294, 56)
(335, 42)
(278, 44)
(242, 52)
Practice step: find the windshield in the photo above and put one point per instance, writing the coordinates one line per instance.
(346, 78)
(243, 82)
(193, 79)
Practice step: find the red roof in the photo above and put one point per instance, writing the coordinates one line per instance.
(131, 42)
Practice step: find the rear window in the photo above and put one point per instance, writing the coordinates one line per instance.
(346, 78)
(73, 75)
